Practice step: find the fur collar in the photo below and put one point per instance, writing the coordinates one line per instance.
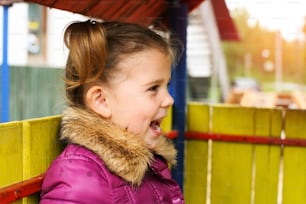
(123, 153)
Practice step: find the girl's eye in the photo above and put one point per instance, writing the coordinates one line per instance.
(153, 88)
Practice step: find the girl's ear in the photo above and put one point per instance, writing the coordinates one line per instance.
(95, 100)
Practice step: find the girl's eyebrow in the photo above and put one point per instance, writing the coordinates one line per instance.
(154, 82)
(157, 81)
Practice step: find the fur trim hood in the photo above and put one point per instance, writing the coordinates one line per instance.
(122, 152)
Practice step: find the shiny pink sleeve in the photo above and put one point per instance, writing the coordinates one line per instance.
(75, 179)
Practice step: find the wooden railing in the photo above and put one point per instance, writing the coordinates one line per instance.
(26, 150)
(233, 155)
(237, 155)
(21, 189)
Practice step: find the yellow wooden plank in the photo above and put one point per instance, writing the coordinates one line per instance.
(10, 153)
(196, 155)
(231, 177)
(198, 117)
(167, 122)
(40, 147)
(294, 176)
(195, 172)
(41, 144)
(26, 162)
(268, 123)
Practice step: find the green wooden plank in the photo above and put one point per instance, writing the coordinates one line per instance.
(17, 93)
(57, 98)
(294, 176)
(231, 177)
(36, 92)
(30, 89)
(196, 155)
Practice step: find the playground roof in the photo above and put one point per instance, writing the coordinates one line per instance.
(145, 12)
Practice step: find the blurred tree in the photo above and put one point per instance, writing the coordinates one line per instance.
(254, 55)
(304, 27)
(304, 45)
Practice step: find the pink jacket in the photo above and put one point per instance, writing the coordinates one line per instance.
(103, 164)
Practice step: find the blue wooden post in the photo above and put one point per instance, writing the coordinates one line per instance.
(178, 26)
(5, 72)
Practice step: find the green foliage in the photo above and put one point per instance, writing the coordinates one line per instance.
(256, 49)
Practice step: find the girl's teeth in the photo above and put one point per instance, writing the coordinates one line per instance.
(156, 127)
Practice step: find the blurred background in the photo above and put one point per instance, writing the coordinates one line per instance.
(269, 57)
(254, 56)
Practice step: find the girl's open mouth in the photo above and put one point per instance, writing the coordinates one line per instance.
(155, 127)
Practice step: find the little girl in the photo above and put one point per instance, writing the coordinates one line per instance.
(116, 79)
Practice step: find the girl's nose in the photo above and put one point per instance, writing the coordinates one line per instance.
(167, 100)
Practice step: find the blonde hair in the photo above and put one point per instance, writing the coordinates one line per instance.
(95, 48)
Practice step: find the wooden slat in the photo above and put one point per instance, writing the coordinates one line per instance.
(196, 155)
(10, 153)
(36, 92)
(40, 148)
(231, 178)
(268, 124)
(41, 144)
(294, 182)
(167, 122)
(249, 172)
(26, 150)
(166, 126)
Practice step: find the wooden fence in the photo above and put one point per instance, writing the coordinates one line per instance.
(255, 156)
(26, 150)
(36, 92)
(233, 155)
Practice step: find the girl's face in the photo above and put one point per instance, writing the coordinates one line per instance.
(139, 98)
